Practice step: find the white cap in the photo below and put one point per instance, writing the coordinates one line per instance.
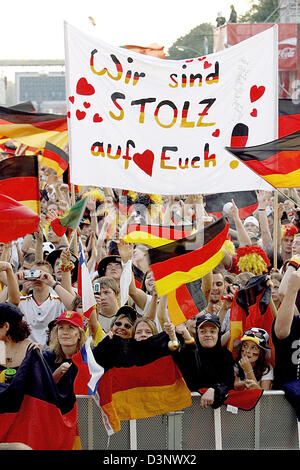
(252, 220)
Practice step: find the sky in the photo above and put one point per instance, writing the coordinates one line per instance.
(35, 29)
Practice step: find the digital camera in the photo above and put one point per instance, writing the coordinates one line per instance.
(32, 274)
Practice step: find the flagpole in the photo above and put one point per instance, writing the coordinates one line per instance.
(275, 230)
(73, 238)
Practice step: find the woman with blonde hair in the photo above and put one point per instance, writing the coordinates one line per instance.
(67, 338)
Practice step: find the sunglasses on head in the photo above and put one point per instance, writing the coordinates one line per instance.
(125, 325)
(257, 333)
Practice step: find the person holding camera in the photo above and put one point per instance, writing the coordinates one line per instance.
(45, 302)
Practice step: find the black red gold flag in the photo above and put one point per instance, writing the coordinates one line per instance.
(251, 308)
(156, 235)
(132, 379)
(33, 412)
(54, 157)
(186, 302)
(19, 179)
(246, 202)
(277, 162)
(16, 220)
(289, 117)
(33, 129)
(188, 259)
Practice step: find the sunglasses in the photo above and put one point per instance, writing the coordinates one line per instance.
(125, 325)
(256, 333)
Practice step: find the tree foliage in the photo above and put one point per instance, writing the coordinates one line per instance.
(261, 11)
(193, 43)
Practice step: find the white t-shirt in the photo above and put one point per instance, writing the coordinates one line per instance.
(39, 316)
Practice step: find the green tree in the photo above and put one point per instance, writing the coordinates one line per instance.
(261, 11)
(198, 42)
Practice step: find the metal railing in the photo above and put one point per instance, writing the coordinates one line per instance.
(271, 425)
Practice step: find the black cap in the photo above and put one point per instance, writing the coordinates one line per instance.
(208, 318)
(128, 312)
(105, 261)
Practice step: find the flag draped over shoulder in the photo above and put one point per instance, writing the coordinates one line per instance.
(70, 219)
(246, 202)
(16, 220)
(188, 259)
(156, 235)
(54, 157)
(19, 179)
(85, 288)
(33, 412)
(33, 129)
(277, 162)
(186, 302)
(251, 308)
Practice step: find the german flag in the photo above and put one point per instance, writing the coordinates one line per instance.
(156, 235)
(31, 406)
(188, 259)
(19, 179)
(186, 302)
(277, 162)
(33, 129)
(251, 308)
(246, 202)
(16, 220)
(289, 117)
(54, 157)
(131, 379)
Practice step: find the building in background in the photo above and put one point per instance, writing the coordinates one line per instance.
(47, 91)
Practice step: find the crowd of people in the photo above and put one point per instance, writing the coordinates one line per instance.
(40, 306)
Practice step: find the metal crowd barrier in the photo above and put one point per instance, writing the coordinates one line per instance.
(271, 425)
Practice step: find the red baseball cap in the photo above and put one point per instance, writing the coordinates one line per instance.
(69, 316)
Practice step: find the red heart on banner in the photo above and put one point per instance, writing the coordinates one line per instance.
(97, 118)
(86, 104)
(144, 161)
(201, 58)
(71, 98)
(80, 114)
(69, 114)
(207, 64)
(84, 88)
(216, 133)
(256, 93)
(254, 112)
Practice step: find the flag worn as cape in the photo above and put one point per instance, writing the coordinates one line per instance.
(33, 412)
(19, 179)
(54, 157)
(277, 162)
(16, 220)
(33, 129)
(188, 259)
(156, 235)
(186, 302)
(85, 288)
(141, 379)
(251, 308)
(246, 202)
(70, 219)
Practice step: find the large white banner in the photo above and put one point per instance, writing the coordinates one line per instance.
(161, 126)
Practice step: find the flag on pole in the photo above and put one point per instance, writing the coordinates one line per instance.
(277, 162)
(70, 219)
(19, 179)
(246, 202)
(54, 157)
(85, 288)
(16, 220)
(188, 259)
(289, 117)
